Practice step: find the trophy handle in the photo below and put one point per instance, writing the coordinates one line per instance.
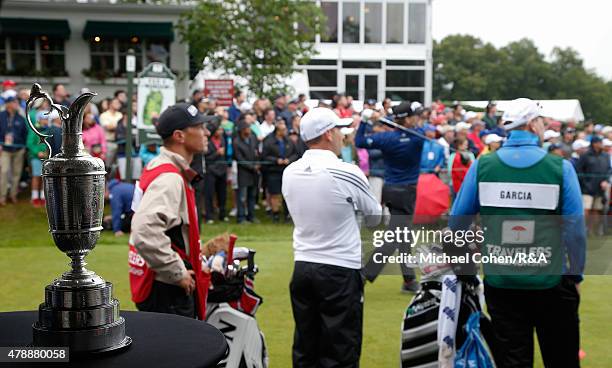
(35, 93)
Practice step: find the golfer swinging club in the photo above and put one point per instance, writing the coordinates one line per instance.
(402, 156)
(529, 202)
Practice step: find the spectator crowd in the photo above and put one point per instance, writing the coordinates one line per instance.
(251, 144)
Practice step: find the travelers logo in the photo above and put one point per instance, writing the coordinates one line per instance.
(450, 313)
(518, 232)
(451, 284)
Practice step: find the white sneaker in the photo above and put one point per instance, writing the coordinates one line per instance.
(233, 212)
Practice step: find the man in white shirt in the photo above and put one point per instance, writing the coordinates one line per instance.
(267, 126)
(324, 196)
(109, 120)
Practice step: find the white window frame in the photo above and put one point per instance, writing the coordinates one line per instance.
(383, 28)
(338, 22)
(341, 23)
(361, 73)
(427, 9)
(40, 52)
(117, 55)
(405, 67)
(336, 67)
(37, 55)
(404, 25)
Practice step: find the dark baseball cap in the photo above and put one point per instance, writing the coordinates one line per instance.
(596, 139)
(402, 110)
(242, 125)
(179, 117)
(213, 122)
(554, 146)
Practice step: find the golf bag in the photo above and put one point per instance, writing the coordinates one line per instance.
(425, 327)
(232, 304)
(420, 327)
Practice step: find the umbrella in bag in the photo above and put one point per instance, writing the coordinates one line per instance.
(433, 199)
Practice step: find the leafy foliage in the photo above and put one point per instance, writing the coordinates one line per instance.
(257, 40)
(466, 68)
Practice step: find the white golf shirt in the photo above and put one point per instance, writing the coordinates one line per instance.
(322, 194)
(266, 128)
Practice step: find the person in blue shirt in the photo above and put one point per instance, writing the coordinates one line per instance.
(13, 137)
(234, 110)
(121, 195)
(432, 158)
(148, 151)
(402, 157)
(522, 181)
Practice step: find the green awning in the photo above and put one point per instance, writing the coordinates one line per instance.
(34, 27)
(128, 29)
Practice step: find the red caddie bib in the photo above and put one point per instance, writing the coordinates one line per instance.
(141, 276)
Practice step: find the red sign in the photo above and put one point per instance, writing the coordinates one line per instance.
(221, 90)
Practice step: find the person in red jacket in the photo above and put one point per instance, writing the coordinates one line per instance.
(461, 162)
(474, 135)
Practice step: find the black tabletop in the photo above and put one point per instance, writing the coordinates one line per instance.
(158, 340)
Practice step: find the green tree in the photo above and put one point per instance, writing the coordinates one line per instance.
(524, 72)
(462, 66)
(574, 81)
(257, 40)
(466, 68)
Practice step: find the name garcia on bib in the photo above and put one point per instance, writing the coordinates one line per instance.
(519, 195)
(515, 195)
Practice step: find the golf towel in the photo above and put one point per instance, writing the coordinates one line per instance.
(448, 316)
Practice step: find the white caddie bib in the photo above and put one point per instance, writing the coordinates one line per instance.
(519, 195)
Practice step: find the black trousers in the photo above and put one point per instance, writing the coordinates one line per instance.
(171, 299)
(400, 199)
(215, 185)
(199, 189)
(327, 303)
(552, 312)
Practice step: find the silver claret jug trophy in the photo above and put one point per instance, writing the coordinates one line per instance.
(79, 311)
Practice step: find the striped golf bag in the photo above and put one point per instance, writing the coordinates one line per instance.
(232, 304)
(420, 328)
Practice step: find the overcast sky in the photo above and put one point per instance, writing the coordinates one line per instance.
(585, 25)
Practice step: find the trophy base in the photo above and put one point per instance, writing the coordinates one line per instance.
(84, 319)
(97, 340)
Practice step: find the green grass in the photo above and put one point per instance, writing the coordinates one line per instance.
(29, 261)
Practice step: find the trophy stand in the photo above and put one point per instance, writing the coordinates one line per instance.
(79, 311)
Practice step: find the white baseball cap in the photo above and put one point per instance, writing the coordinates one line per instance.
(245, 106)
(470, 115)
(9, 94)
(347, 131)
(491, 138)
(607, 142)
(580, 143)
(445, 128)
(366, 114)
(520, 112)
(462, 125)
(551, 134)
(319, 120)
